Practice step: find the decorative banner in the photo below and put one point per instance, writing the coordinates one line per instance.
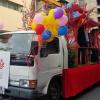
(4, 68)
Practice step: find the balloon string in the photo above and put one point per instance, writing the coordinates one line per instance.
(39, 42)
(39, 49)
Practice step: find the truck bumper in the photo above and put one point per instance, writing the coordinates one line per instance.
(21, 92)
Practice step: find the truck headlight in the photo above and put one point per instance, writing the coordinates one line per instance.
(28, 83)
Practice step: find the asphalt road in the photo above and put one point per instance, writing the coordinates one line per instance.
(90, 94)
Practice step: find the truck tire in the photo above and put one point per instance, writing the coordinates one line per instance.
(54, 90)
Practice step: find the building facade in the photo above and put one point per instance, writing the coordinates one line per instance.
(98, 10)
(11, 14)
(95, 14)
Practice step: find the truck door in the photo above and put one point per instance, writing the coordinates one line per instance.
(50, 61)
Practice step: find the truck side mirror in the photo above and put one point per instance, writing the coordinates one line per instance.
(43, 52)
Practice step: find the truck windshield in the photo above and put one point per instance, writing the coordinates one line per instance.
(20, 45)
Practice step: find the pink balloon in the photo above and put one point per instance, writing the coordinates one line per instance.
(63, 20)
(38, 18)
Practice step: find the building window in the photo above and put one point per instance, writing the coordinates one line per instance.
(98, 2)
(98, 10)
(99, 19)
(11, 5)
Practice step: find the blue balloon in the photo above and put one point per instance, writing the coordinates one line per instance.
(75, 14)
(46, 35)
(62, 30)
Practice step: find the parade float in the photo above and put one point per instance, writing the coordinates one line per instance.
(56, 57)
(66, 20)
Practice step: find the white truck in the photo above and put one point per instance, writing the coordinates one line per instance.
(33, 73)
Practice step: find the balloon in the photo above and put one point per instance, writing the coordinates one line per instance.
(39, 29)
(46, 35)
(38, 18)
(62, 30)
(75, 14)
(54, 32)
(51, 24)
(51, 12)
(46, 22)
(33, 25)
(63, 20)
(58, 13)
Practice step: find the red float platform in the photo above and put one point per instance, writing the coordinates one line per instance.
(75, 80)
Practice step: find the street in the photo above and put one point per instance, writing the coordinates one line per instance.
(49, 49)
(91, 94)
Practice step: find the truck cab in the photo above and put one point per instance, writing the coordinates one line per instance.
(34, 70)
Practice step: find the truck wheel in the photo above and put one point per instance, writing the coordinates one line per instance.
(54, 90)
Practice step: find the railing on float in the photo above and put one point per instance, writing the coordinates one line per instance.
(88, 55)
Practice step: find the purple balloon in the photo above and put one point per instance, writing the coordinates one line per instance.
(58, 13)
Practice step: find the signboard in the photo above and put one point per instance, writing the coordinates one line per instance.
(4, 69)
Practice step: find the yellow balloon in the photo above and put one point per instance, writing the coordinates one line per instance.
(33, 26)
(51, 12)
(45, 20)
(51, 24)
(54, 33)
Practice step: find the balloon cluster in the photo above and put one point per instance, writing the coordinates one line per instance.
(51, 25)
(57, 22)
